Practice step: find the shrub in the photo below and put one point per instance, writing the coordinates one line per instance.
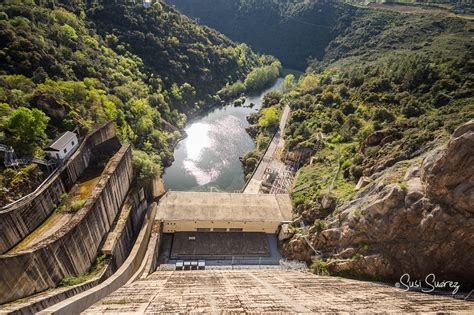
(77, 204)
(320, 225)
(319, 267)
(145, 167)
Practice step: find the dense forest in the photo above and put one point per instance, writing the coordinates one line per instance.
(292, 31)
(388, 92)
(377, 97)
(67, 65)
(380, 97)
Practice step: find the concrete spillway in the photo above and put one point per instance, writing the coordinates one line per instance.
(263, 291)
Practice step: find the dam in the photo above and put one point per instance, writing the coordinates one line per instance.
(148, 250)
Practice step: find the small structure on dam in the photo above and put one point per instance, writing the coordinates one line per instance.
(221, 228)
(62, 146)
(223, 212)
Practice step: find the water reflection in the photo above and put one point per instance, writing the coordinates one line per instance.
(209, 155)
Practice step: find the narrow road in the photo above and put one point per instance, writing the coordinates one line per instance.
(277, 145)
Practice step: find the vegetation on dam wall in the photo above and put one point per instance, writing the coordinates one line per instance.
(72, 249)
(21, 218)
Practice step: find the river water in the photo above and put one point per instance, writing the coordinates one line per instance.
(208, 158)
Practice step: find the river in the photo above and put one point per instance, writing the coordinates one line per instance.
(208, 158)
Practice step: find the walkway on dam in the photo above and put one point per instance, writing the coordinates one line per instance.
(266, 290)
(271, 156)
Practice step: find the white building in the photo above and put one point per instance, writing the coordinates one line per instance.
(62, 146)
(223, 212)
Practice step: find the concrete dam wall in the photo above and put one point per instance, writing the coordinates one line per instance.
(21, 218)
(73, 248)
(117, 246)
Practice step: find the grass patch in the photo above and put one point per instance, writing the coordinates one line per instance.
(311, 180)
(319, 267)
(77, 204)
(96, 268)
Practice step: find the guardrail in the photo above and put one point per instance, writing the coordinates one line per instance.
(58, 166)
(233, 260)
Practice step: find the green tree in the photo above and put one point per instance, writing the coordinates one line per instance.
(269, 118)
(27, 127)
(289, 83)
(144, 166)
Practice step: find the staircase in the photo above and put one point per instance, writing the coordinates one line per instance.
(12, 160)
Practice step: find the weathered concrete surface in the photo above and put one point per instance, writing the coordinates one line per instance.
(264, 291)
(153, 250)
(220, 206)
(120, 239)
(117, 246)
(134, 266)
(23, 217)
(190, 211)
(72, 249)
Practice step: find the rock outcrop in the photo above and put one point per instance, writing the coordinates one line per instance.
(422, 224)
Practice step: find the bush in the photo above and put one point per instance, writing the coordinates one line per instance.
(77, 204)
(269, 118)
(145, 167)
(319, 267)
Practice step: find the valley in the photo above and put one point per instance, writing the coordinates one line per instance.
(208, 158)
(251, 156)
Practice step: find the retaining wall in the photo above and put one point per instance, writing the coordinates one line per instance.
(131, 269)
(120, 239)
(21, 218)
(72, 249)
(118, 245)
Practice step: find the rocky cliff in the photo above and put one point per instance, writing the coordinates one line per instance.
(419, 223)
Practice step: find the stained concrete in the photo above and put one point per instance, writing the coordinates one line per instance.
(134, 266)
(219, 206)
(21, 218)
(264, 291)
(118, 245)
(72, 249)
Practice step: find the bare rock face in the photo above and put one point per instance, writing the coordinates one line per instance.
(323, 205)
(422, 225)
(449, 174)
(285, 233)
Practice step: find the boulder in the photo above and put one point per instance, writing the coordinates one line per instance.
(363, 181)
(421, 226)
(285, 233)
(449, 173)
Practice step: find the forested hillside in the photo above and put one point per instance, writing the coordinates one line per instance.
(380, 96)
(389, 90)
(293, 31)
(72, 64)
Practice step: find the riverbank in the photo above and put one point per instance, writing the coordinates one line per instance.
(270, 163)
(208, 155)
